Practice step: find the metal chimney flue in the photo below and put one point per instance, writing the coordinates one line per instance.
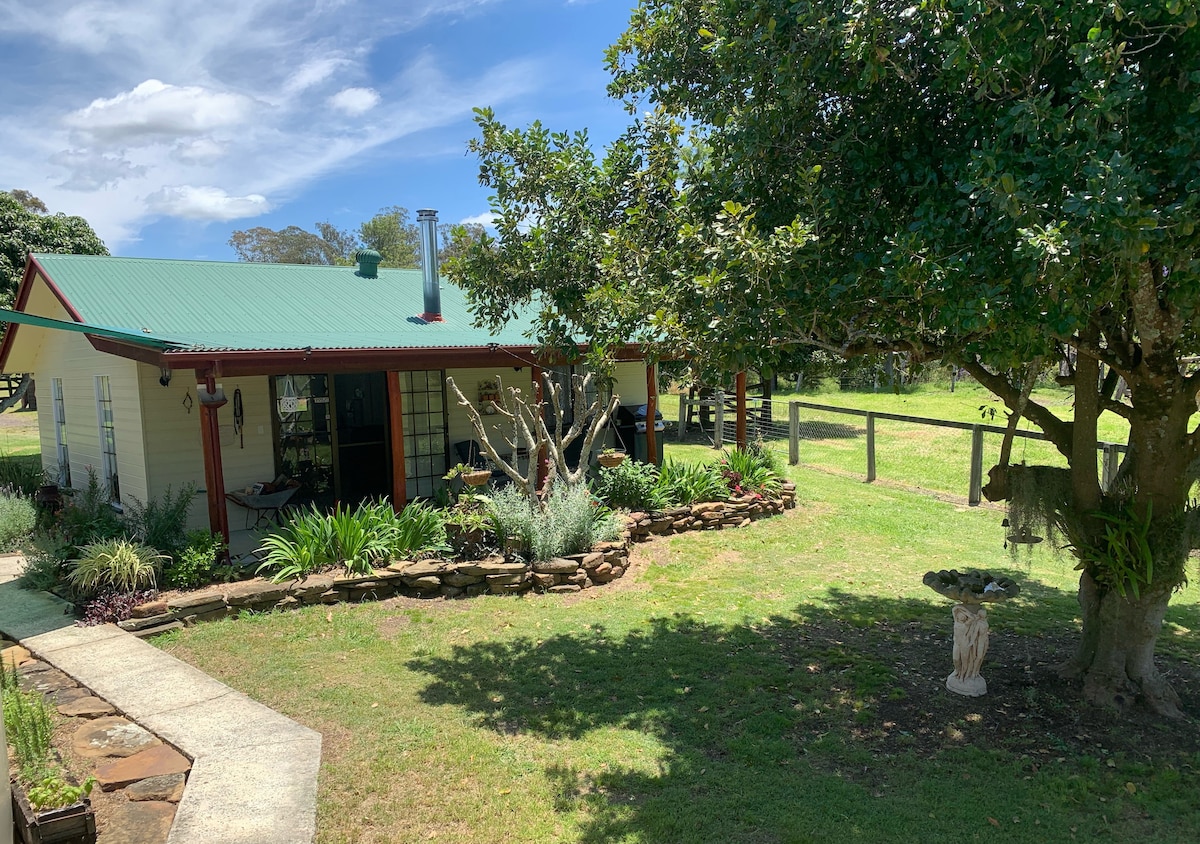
(427, 223)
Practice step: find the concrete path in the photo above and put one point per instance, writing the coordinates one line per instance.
(254, 771)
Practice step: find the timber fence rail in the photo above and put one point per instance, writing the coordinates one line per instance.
(1110, 452)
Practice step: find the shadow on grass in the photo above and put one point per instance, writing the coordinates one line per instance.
(802, 726)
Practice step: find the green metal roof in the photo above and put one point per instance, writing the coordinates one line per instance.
(225, 306)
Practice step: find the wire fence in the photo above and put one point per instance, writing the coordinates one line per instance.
(936, 454)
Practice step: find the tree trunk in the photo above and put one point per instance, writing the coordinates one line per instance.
(1115, 660)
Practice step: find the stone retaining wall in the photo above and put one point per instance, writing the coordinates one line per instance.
(448, 579)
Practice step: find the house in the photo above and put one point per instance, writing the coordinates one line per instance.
(157, 373)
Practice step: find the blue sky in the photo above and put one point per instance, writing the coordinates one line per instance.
(168, 125)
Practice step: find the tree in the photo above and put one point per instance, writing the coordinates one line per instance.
(989, 184)
(25, 226)
(531, 433)
(390, 233)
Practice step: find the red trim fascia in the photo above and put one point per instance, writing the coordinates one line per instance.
(32, 269)
(301, 361)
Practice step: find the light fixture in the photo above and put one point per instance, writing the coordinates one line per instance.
(164, 376)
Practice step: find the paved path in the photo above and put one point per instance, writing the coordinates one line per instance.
(254, 771)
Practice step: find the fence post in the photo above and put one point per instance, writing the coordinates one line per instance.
(1111, 462)
(683, 416)
(719, 420)
(870, 447)
(975, 496)
(793, 433)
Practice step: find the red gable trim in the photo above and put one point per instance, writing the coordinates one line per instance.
(32, 270)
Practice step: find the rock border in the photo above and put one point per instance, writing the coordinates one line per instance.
(496, 575)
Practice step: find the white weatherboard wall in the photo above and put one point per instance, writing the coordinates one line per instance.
(51, 353)
(458, 421)
(174, 454)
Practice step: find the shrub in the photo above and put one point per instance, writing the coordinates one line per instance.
(690, 483)
(630, 485)
(18, 517)
(111, 607)
(745, 473)
(570, 521)
(161, 522)
(88, 516)
(28, 726)
(512, 516)
(43, 570)
(356, 539)
(197, 563)
(117, 565)
(22, 473)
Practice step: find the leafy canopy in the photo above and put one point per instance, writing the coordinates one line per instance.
(25, 226)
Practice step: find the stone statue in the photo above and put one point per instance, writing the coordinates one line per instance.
(970, 646)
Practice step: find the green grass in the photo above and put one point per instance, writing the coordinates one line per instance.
(735, 690)
(19, 433)
(933, 458)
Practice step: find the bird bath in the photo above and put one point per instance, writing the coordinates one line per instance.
(971, 590)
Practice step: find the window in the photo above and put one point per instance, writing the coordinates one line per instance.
(60, 433)
(425, 445)
(108, 438)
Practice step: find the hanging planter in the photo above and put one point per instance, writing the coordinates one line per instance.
(477, 478)
(609, 459)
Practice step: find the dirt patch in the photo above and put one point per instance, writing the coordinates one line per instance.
(1028, 710)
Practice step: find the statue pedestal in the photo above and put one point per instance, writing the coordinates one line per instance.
(970, 647)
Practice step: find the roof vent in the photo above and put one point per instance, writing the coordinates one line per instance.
(427, 222)
(368, 262)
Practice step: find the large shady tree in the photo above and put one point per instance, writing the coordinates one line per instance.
(995, 184)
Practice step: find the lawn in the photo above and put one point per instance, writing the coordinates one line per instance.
(777, 683)
(937, 459)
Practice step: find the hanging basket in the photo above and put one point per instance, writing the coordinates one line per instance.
(478, 478)
(613, 458)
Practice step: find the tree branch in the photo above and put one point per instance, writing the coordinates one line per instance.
(1055, 429)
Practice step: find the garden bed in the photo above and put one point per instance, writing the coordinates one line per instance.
(496, 575)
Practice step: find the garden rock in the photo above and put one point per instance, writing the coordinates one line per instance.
(167, 788)
(47, 682)
(153, 762)
(111, 736)
(244, 594)
(495, 566)
(425, 568)
(564, 589)
(88, 706)
(14, 656)
(197, 601)
(148, 609)
(558, 565)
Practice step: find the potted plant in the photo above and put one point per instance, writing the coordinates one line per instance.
(610, 457)
(47, 807)
(467, 528)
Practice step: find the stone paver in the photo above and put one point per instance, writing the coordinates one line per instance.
(86, 707)
(153, 762)
(254, 772)
(111, 736)
(140, 823)
(168, 787)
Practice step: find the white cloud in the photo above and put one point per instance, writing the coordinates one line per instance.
(206, 203)
(487, 218)
(89, 170)
(355, 101)
(313, 73)
(154, 110)
(143, 108)
(199, 151)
